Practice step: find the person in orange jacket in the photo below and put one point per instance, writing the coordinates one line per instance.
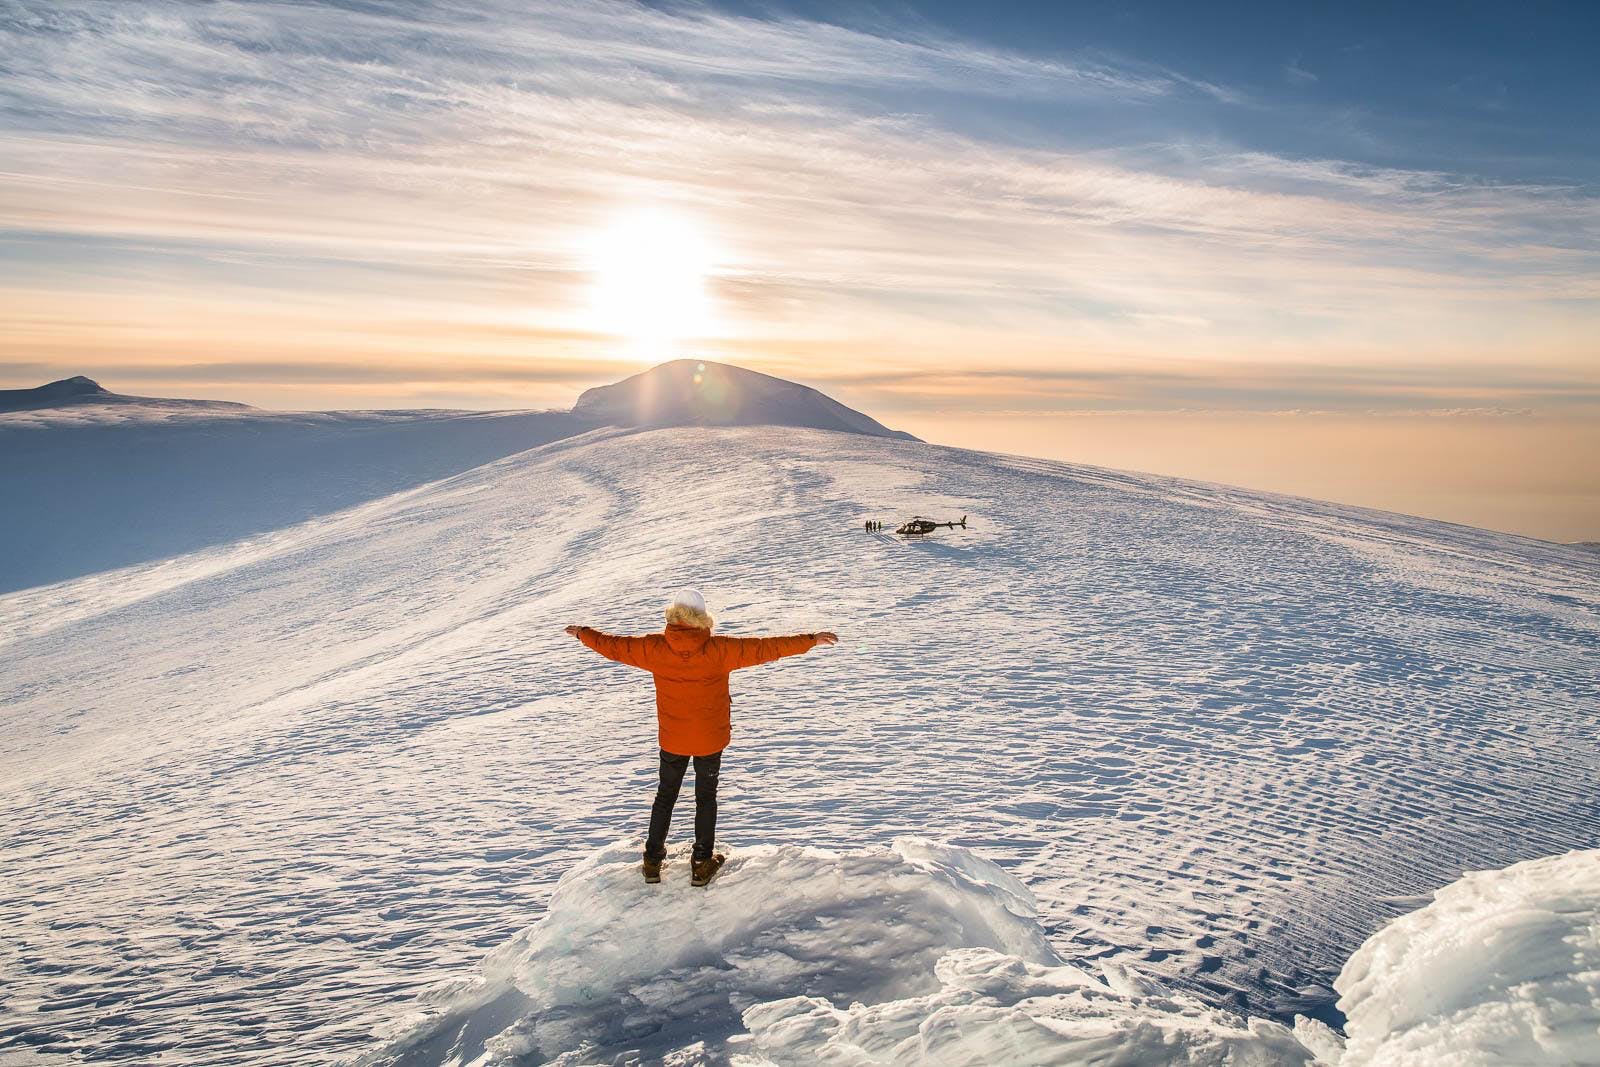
(693, 706)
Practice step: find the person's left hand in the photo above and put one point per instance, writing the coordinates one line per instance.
(827, 637)
(572, 631)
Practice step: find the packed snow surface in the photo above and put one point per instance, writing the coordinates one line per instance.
(261, 794)
(1502, 968)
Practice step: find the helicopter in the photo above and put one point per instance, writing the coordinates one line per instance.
(919, 526)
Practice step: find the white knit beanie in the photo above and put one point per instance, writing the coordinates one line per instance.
(691, 599)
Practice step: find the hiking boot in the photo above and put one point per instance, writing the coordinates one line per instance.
(702, 871)
(652, 869)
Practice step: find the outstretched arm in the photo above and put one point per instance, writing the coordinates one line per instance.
(749, 651)
(629, 650)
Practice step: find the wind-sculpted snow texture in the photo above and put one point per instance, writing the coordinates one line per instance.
(260, 796)
(916, 953)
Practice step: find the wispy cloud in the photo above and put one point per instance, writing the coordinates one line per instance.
(353, 183)
(1295, 74)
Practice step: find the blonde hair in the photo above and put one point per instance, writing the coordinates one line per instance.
(687, 616)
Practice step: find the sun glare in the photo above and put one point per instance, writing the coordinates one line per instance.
(650, 271)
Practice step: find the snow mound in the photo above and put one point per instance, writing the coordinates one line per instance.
(920, 953)
(1503, 967)
(687, 392)
(911, 953)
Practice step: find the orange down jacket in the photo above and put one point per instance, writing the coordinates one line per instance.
(691, 669)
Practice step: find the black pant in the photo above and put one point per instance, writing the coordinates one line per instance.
(706, 769)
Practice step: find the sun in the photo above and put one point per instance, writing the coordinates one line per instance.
(650, 270)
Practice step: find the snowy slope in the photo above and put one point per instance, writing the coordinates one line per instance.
(267, 792)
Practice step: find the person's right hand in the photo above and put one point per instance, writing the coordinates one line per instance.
(572, 631)
(827, 638)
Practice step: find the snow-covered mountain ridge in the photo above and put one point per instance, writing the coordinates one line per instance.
(680, 392)
(97, 480)
(270, 790)
(79, 391)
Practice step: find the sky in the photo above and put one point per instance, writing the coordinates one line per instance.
(1343, 250)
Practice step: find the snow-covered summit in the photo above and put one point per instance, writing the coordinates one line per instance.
(687, 392)
(79, 390)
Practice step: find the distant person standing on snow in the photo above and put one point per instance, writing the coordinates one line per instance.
(693, 708)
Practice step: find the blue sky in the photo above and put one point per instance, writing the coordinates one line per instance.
(1508, 91)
